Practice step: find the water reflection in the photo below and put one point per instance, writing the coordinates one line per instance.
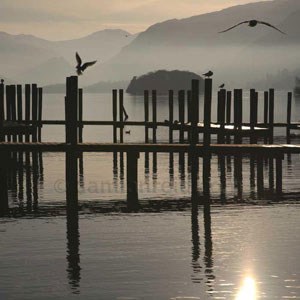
(73, 256)
(248, 290)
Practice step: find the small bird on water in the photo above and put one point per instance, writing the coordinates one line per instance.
(208, 74)
(80, 68)
(222, 85)
(253, 23)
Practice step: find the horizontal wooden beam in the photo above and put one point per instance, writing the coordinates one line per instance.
(266, 150)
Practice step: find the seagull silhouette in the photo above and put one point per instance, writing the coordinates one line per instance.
(208, 74)
(80, 68)
(253, 23)
(222, 85)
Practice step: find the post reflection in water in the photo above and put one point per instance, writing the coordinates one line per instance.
(73, 256)
(248, 290)
(196, 277)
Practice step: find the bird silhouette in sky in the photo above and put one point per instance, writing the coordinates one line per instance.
(80, 68)
(208, 74)
(222, 85)
(253, 23)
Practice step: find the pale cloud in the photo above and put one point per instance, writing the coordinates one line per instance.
(60, 19)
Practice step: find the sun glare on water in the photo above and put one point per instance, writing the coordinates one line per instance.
(248, 290)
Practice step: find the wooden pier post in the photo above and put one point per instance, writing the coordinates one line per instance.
(40, 113)
(207, 111)
(34, 115)
(194, 159)
(19, 108)
(266, 112)
(121, 115)
(238, 114)
(132, 180)
(80, 116)
(27, 107)
(289, 116)
(146, 109)
(2, 137)
(221, 115)
(181, 115)
(189, 113)
(228, 107)
(171, 115)
(253, 115)
(72, 138)
(154, 115)
(271, 116)
(8, 107)
(114, 112)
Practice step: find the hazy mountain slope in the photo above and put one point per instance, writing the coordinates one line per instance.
(195, 44)
(49, 72)
(31, 56)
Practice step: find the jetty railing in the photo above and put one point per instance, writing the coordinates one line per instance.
(223, 128)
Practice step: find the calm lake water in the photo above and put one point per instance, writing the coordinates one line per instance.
(161, 252)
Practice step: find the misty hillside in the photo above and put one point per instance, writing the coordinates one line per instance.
(27, 57)
(194, 44)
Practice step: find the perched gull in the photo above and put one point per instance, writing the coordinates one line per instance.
(208, 74)
(80, 68)
(253, 23)
(222, 85)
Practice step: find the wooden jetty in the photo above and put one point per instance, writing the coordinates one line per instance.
(12, 138)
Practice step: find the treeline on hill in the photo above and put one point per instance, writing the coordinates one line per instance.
(162, 81)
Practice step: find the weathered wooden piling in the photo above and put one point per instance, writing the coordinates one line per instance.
(228, 107)
(266, 112)
(253, 115)
(121, 115)
(19, 109)
(238, 114)
(2, 137)
(189, 112)
(154, 115)
(206, 177)
(27, 108)
(80, 116)
(289, 116)
(132, 181)
(181, 115)
(114, 111)
(271, 116)
(40, 113)
(171, 115)
(221, 110)
(146, 110)
(194, 159)
(207, 111)
(72, 138)
(34, 115)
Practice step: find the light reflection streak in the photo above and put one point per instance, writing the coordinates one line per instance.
(248, 290)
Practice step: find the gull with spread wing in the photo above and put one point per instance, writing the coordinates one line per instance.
(253, 23)
(81, 67)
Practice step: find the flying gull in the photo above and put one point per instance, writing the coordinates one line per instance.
(80, 68)
(253, 23)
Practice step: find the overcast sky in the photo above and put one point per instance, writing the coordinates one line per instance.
(66, 19)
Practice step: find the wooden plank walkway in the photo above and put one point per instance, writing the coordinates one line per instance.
(164, 148)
